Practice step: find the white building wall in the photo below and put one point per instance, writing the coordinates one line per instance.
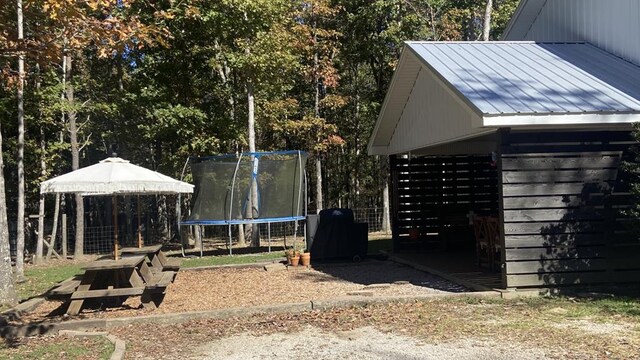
(613, 25)
(432, 115)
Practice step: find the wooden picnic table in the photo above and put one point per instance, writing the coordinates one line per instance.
(157, 260)
(119, 279)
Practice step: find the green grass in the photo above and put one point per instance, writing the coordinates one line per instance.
(228, 260)
(607, 307)
(94, 348)
(41, 278)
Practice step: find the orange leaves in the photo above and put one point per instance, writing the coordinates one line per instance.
(311, 133)
(108, 25)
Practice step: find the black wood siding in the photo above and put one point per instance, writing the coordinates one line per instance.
(562, 197)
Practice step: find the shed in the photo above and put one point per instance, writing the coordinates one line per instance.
(533, 133)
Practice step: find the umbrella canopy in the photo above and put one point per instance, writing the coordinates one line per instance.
(114, 176)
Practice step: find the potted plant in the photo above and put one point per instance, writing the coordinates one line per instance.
(293, 256)
(305, 258)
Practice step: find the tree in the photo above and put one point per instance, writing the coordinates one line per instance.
(7, 290)
(20, 215)
(256, 45)
(106, 25)
(486, 22)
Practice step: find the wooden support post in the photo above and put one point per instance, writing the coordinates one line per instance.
(140, 243)
(64, 236)
(115, 228)
(76, 305)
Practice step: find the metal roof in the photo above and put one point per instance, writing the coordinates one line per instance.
(497, 78)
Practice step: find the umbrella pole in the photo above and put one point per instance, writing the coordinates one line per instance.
(115, 228)
(139, 224)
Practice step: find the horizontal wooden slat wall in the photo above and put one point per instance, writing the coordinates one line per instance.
(434, 195)
(562, 198)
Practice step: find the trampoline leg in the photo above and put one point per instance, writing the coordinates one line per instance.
(201, 242)
(295, 234)
(269, 234)
(230, 242)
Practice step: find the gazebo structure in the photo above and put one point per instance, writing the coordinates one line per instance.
(530, 133)
(112, 177)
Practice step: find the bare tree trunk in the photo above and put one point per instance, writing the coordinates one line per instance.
(486, 28)
(43, 173)
(75, 156)
(241, 239)
(54, 230)
(7, 290)
(318, 184)
(20, 217)
(255, 234)
(198, 243)
(223, 71)
(316, 110)
(386, 218)
(163, 217)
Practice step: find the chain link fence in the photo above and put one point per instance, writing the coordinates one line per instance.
(100, 239)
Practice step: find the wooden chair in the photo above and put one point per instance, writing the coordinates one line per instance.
(483, 242)
(495, 246)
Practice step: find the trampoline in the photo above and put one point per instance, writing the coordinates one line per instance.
(226, 184)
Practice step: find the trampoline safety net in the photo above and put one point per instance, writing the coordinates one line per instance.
(223, 188)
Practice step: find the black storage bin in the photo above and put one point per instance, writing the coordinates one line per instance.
(338, 236)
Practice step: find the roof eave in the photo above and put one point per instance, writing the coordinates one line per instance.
(517, 19)
(371, 145)
(513, 20)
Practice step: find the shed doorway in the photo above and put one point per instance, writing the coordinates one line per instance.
(434, 202)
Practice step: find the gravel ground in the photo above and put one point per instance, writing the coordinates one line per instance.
(366, 343)
(233, 287)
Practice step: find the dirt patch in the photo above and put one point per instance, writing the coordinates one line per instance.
(596, 328)
(362, 343)
(231, 287)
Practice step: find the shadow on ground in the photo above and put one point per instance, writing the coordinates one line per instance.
(370, 272)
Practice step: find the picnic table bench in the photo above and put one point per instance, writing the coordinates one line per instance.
(118, 279)
(65, 288)
(157, 260)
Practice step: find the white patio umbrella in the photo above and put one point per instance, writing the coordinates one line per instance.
(115, 176)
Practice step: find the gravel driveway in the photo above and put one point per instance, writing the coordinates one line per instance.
(364, 343)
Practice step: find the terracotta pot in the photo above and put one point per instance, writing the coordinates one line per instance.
(305, 259)
(295, 260)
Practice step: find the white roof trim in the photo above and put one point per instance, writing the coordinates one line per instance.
(392, 87)
(480, 132)
(560, 119)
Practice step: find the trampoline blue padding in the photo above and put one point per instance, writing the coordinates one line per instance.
(242, 221)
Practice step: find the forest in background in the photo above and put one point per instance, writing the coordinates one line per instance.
(159, 81)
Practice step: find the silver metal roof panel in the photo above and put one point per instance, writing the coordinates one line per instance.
(534, 78)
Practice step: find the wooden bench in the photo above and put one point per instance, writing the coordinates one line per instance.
(65, 288)
(156, 289)
(90, 294)
(157, 260)
(161, 280)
